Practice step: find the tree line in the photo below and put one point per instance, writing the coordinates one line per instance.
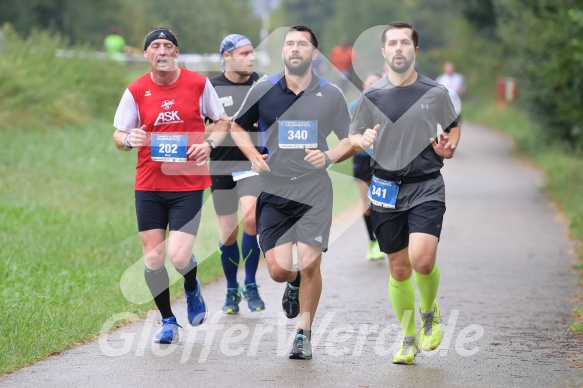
(199, 24)
(539, 42)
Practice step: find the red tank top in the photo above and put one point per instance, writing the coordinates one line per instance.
(170, 109)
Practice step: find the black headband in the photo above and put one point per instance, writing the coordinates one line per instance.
(159, 34)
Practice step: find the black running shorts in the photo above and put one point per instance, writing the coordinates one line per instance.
(174, 210)
(393, 228)
(295, 212)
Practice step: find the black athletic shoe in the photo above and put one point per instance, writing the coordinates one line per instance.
(301, 349)
(291, 301)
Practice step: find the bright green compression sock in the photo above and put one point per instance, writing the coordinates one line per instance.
(427, 285)
(402, 296)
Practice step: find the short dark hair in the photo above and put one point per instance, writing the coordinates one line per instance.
(400, 25)
(301, 28)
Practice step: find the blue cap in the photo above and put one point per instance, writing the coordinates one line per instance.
(232, 42)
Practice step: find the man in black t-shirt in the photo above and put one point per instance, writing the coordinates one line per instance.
(295, 111)
(232, 180)
(401, 115)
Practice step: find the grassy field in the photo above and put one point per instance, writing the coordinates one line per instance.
(67, 234)
(563, 169)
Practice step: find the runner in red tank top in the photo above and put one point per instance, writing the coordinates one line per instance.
(162, 115)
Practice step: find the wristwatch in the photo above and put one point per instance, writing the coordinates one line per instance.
(327, 160)
(212, 144)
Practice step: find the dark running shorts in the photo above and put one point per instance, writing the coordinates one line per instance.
(296, 212)
(362, 167)
(227, 192)
(393, 228)
(175, 210)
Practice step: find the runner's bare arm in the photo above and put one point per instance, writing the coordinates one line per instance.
(134, 138)
(362, 142)
(200, 152)
(341, 152)
(448, 142)
(218, 129)
(245, 144)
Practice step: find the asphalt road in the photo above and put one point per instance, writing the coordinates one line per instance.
(506, 295)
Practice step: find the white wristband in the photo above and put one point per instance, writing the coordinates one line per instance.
(126, 140)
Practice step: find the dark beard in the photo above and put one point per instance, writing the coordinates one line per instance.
(300, 69)
(401, 70)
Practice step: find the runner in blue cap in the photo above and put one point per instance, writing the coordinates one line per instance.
(232, 184)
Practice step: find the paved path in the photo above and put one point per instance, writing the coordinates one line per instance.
(506, 295)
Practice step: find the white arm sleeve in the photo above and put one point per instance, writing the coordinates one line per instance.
(210, 105)
(126, 117)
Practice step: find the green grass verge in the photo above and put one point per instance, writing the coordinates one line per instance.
(577, 327)
(563, 168)
(68, 235)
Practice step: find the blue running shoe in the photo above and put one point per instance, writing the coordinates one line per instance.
(169, 334)
(195, 306)
(251, 294)
(231, 305)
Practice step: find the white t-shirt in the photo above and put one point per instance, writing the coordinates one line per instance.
(455, 84)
